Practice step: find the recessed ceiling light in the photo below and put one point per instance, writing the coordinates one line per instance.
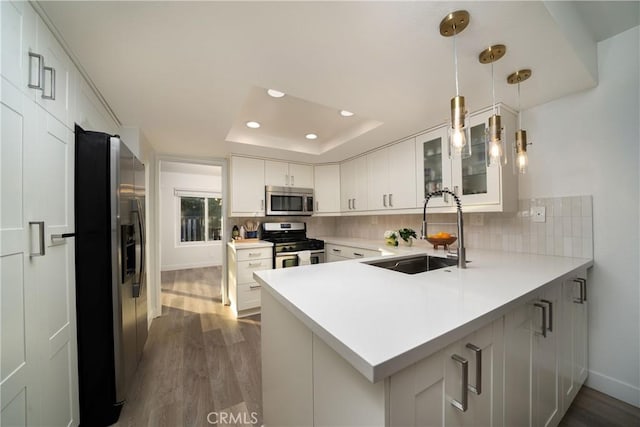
(275, 93)
(311, 136)
(345, 113)
(253, 125)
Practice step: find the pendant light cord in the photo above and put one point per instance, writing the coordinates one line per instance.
(493, 90)
(519, 109)
(455, 59)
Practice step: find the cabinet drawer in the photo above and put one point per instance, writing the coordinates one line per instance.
(349, 251)
(246, 269)
(248, 296)
(256, 253)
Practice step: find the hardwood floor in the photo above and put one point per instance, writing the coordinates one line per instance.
(594, 409)
(200, 361)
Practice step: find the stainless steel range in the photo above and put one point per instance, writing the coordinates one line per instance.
(290, 243)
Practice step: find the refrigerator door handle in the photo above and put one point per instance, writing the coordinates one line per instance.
(137, 283)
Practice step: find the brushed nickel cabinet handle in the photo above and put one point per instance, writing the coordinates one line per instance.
(52, 91)
(255, 264)
(581, 299)
(462, 403)
(384, 200)
(336, 250)
(550, 304)
(390, 200)
(358, 254)
(445, 196)
(256, 286)
(39, 82)
(477, 389)
(292, 180)
(262, 205)
(354, 203)
(41, 249)
(583, 288)
(544, 318)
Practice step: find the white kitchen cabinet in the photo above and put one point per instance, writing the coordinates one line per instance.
(574, 361)
(285, 174)
(532, 336)
(247, 186)
(391, 177)
(353, 185)
(433, 167)
(327, 188)
(18, 39)
(244, 292)
(480, 188)
(418, 394)
(335, 252)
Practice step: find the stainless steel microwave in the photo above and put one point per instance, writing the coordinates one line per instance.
(288, 201)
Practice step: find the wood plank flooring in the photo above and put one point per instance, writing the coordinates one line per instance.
(199, 360)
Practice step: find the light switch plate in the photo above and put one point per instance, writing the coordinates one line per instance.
(538, 214)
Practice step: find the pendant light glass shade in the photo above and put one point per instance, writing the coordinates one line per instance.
(520, 157)
(494, 132)
(459, 131)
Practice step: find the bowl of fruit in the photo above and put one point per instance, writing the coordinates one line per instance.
(441, 239)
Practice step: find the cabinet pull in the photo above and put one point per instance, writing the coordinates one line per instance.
(254, 253)
(256, 286)
(292, 180)
(52, 91)
(262, 204)
(384, 200)
(317, 206)
(41, 245)
(336, 250)
(358, 254)
(477, 389)
(40, 59)
(349, 204)
(354, 203)
(581, 299)
(390, 200)
(456, 190)
(462, 403)
(544, 318)
(445, 196)
(550, 304)
(255, 264)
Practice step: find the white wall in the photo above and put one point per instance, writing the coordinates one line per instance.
(588, 143)
(174, 256)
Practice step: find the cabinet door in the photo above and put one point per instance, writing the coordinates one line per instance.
(378, 179)
(276, 173)
(58, 82)
(327, 188)
(473, 181)
(417, 395)
(247, 186)
(18, 39)
(546, 388)
(347, 185)
(360, 186)
(300, 175)
(574, 343)
(433, 167)
(402, 175)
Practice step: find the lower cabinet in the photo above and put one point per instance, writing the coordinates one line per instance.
(461, 385)
(335, 252)
(244, 292)
(522, 369)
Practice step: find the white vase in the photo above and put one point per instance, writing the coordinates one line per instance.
(408, 242)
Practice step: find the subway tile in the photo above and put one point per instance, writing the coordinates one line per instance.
(587, 247)
(566, 226)
(576, 226)
(558, 246)
(557, 207)
(576, 247)
(566, 206)
(576, 206)
(587, 206)
(587, 227)
(567, 246)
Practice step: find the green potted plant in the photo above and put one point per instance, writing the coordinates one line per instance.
(407, 234)
(391, 238)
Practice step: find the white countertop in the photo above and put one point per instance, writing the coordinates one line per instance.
(235, 245)
(382, 321)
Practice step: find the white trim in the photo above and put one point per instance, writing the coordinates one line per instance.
(174, 267)
(614, 387)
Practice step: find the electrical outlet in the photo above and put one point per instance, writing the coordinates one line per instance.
(538, 214)
(477, 219)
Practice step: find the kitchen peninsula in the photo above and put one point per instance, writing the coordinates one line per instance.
(348, 343)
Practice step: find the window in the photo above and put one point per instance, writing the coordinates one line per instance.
(200, 216)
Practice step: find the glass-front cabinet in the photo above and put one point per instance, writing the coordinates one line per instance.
(433, 166)
(479, 187)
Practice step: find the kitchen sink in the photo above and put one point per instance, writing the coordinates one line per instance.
(414, 264)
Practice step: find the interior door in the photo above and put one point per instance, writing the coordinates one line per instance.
(52, 172)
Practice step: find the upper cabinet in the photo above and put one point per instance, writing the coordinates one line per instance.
(353, 185)
(247, 186)
(327, 189)
(284, 174)
(480, 188)
(391, 177)
(18, 39)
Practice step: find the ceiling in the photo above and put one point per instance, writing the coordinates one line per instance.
(184, 71)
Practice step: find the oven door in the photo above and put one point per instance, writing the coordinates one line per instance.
(290, 259)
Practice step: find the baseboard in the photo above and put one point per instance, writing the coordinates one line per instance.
(615, 388)
(187, 266)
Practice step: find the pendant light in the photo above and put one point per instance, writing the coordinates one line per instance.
(459, 135)
(494, 137)
(521, 161)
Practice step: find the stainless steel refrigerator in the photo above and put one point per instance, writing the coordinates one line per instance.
(111, 291)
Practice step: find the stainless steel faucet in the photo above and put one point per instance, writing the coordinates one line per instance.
(462, 254)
